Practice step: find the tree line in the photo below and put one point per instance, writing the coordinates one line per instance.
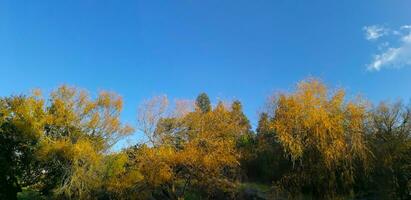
(310, 143)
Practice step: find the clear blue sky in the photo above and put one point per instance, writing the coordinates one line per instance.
(229, 49)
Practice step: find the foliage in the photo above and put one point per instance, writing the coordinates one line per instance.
(21, 119)
(203, 103)
(310, 143)
(390, 139)
(323, 135)
(196, 150)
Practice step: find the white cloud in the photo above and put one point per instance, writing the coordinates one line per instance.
(394, 50)
(374, 32)
(406, 27)
(394, 57)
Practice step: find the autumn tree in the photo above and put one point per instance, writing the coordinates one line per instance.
(311, 142)
(78, 131)
(121, 178)
(323, 135)
(197, 152)
(390, 139)
(209, 153)
(150, 112)
(21, 122)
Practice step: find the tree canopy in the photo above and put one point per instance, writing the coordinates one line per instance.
(312, 142)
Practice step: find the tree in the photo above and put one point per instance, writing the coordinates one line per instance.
(311, 142)
(263, 127)
(245, 138)
(239, 117)
(390, 139)
(122, 179)
(77, 132)
(209, 156)
(269, 163)
(148, 116)
(203, 102)
(21, 121)
(197, 151)
(323, 135)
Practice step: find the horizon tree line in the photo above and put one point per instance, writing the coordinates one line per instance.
(310, 143)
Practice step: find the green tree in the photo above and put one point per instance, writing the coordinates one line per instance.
(203, 102)
(239, 116)
(270, 162)
(263, 127)
(21, 120)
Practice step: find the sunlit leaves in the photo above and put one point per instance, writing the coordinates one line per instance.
(312, 141)
(74, 131)
(196, 148)
(21, 122)
(321, 132)
(311, 118)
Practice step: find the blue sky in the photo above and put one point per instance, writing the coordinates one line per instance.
(230, 49)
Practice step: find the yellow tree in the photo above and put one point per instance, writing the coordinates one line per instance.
(323, 134)
(78, 131)
(209, 153)
(121, 178)
(22, 120)
(194, 149)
